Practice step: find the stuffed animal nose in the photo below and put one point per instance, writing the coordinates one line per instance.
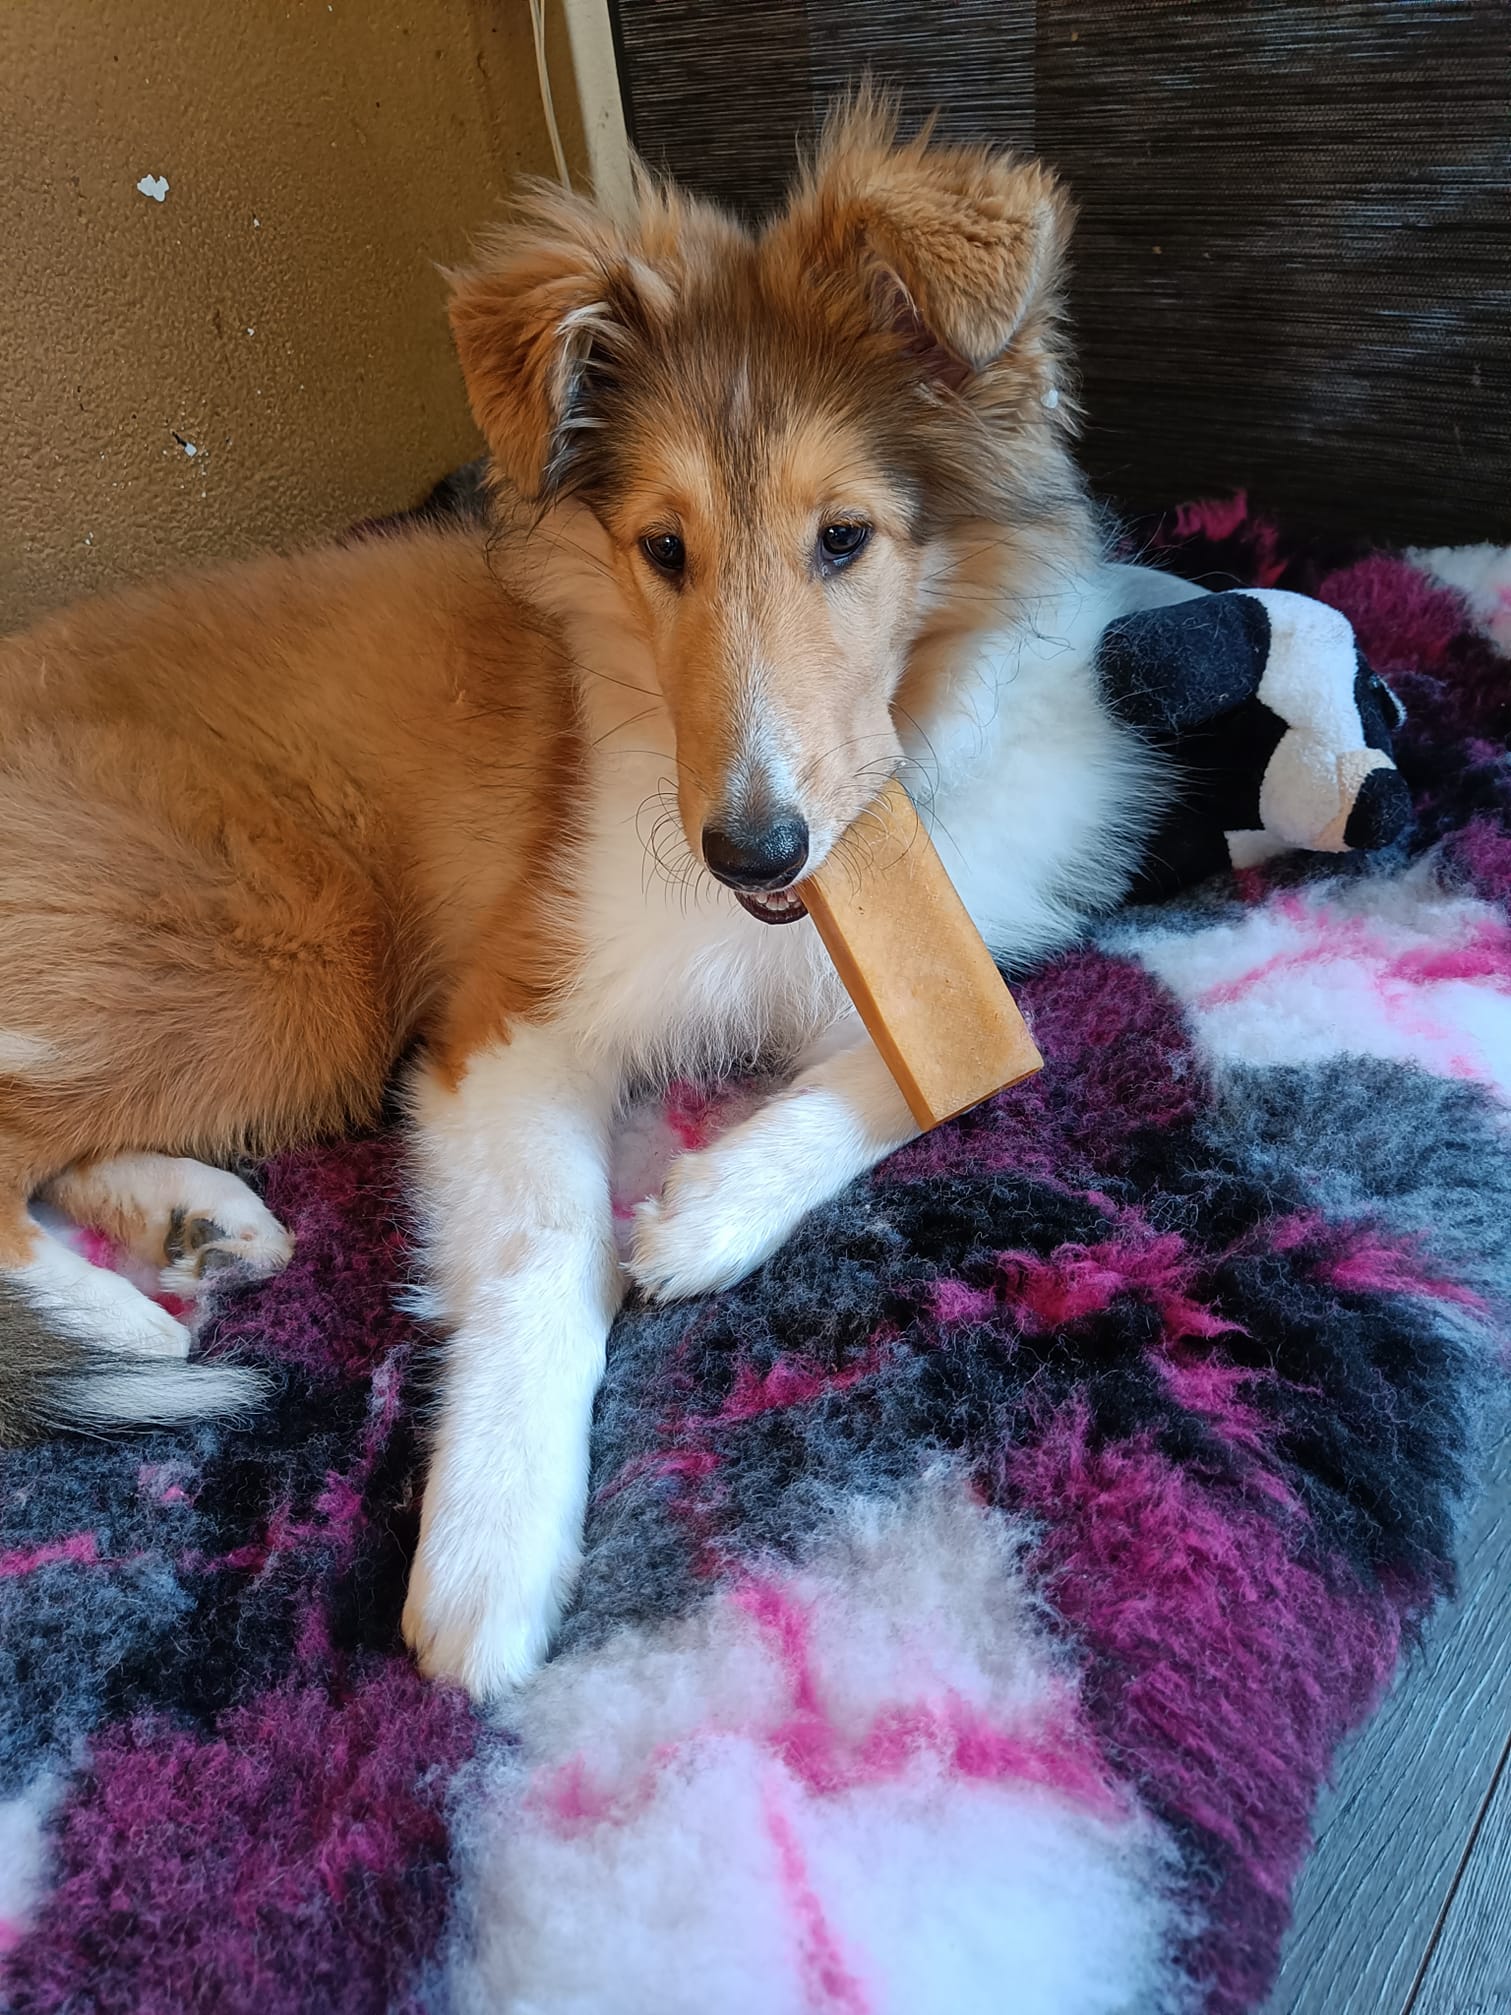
(747, 855)
(1380, 813)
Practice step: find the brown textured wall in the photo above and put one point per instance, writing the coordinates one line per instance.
(278, 313)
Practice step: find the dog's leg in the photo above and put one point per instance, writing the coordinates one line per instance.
(728, 1207)
(183, 1216)
(514, 1184)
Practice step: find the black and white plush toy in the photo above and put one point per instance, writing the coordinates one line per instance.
(1279, 732)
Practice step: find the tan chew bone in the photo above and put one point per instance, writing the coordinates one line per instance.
(915, 966)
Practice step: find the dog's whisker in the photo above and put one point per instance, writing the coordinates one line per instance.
(619, 728)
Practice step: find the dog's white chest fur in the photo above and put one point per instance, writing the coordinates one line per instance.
(676, 976)
(1042, 795)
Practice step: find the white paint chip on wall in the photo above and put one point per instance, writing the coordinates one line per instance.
(155, 186)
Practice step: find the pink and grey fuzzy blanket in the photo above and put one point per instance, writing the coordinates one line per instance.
(974, 1598)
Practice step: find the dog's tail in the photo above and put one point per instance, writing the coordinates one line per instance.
(49, 1382)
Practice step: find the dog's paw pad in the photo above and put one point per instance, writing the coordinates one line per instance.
(198, 1247)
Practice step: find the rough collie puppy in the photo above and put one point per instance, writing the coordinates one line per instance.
(778, 515)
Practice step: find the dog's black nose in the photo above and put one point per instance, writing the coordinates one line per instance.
(748, 856)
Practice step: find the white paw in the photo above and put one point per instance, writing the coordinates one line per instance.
(147, 1331)
(706, 1230)
(105, 1310)
(235, 1231)
(479, 1616)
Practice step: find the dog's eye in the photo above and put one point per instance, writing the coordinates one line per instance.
(839, 543)
(665, 551)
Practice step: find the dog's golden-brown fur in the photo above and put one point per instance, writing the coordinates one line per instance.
(262, 829)
(258, 827)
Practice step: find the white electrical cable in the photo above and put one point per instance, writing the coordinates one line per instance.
(547, 102)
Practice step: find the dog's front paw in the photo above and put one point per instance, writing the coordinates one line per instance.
(480, 1611)
(705, 1231)
(472, 1638)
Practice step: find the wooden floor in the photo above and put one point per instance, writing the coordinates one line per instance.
(1405, 1907)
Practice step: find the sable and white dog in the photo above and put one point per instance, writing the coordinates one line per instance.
(778, 515)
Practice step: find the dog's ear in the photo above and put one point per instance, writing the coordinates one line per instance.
(546, 298)
(956, 248)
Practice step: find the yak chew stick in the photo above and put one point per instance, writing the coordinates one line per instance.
(915, 966)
